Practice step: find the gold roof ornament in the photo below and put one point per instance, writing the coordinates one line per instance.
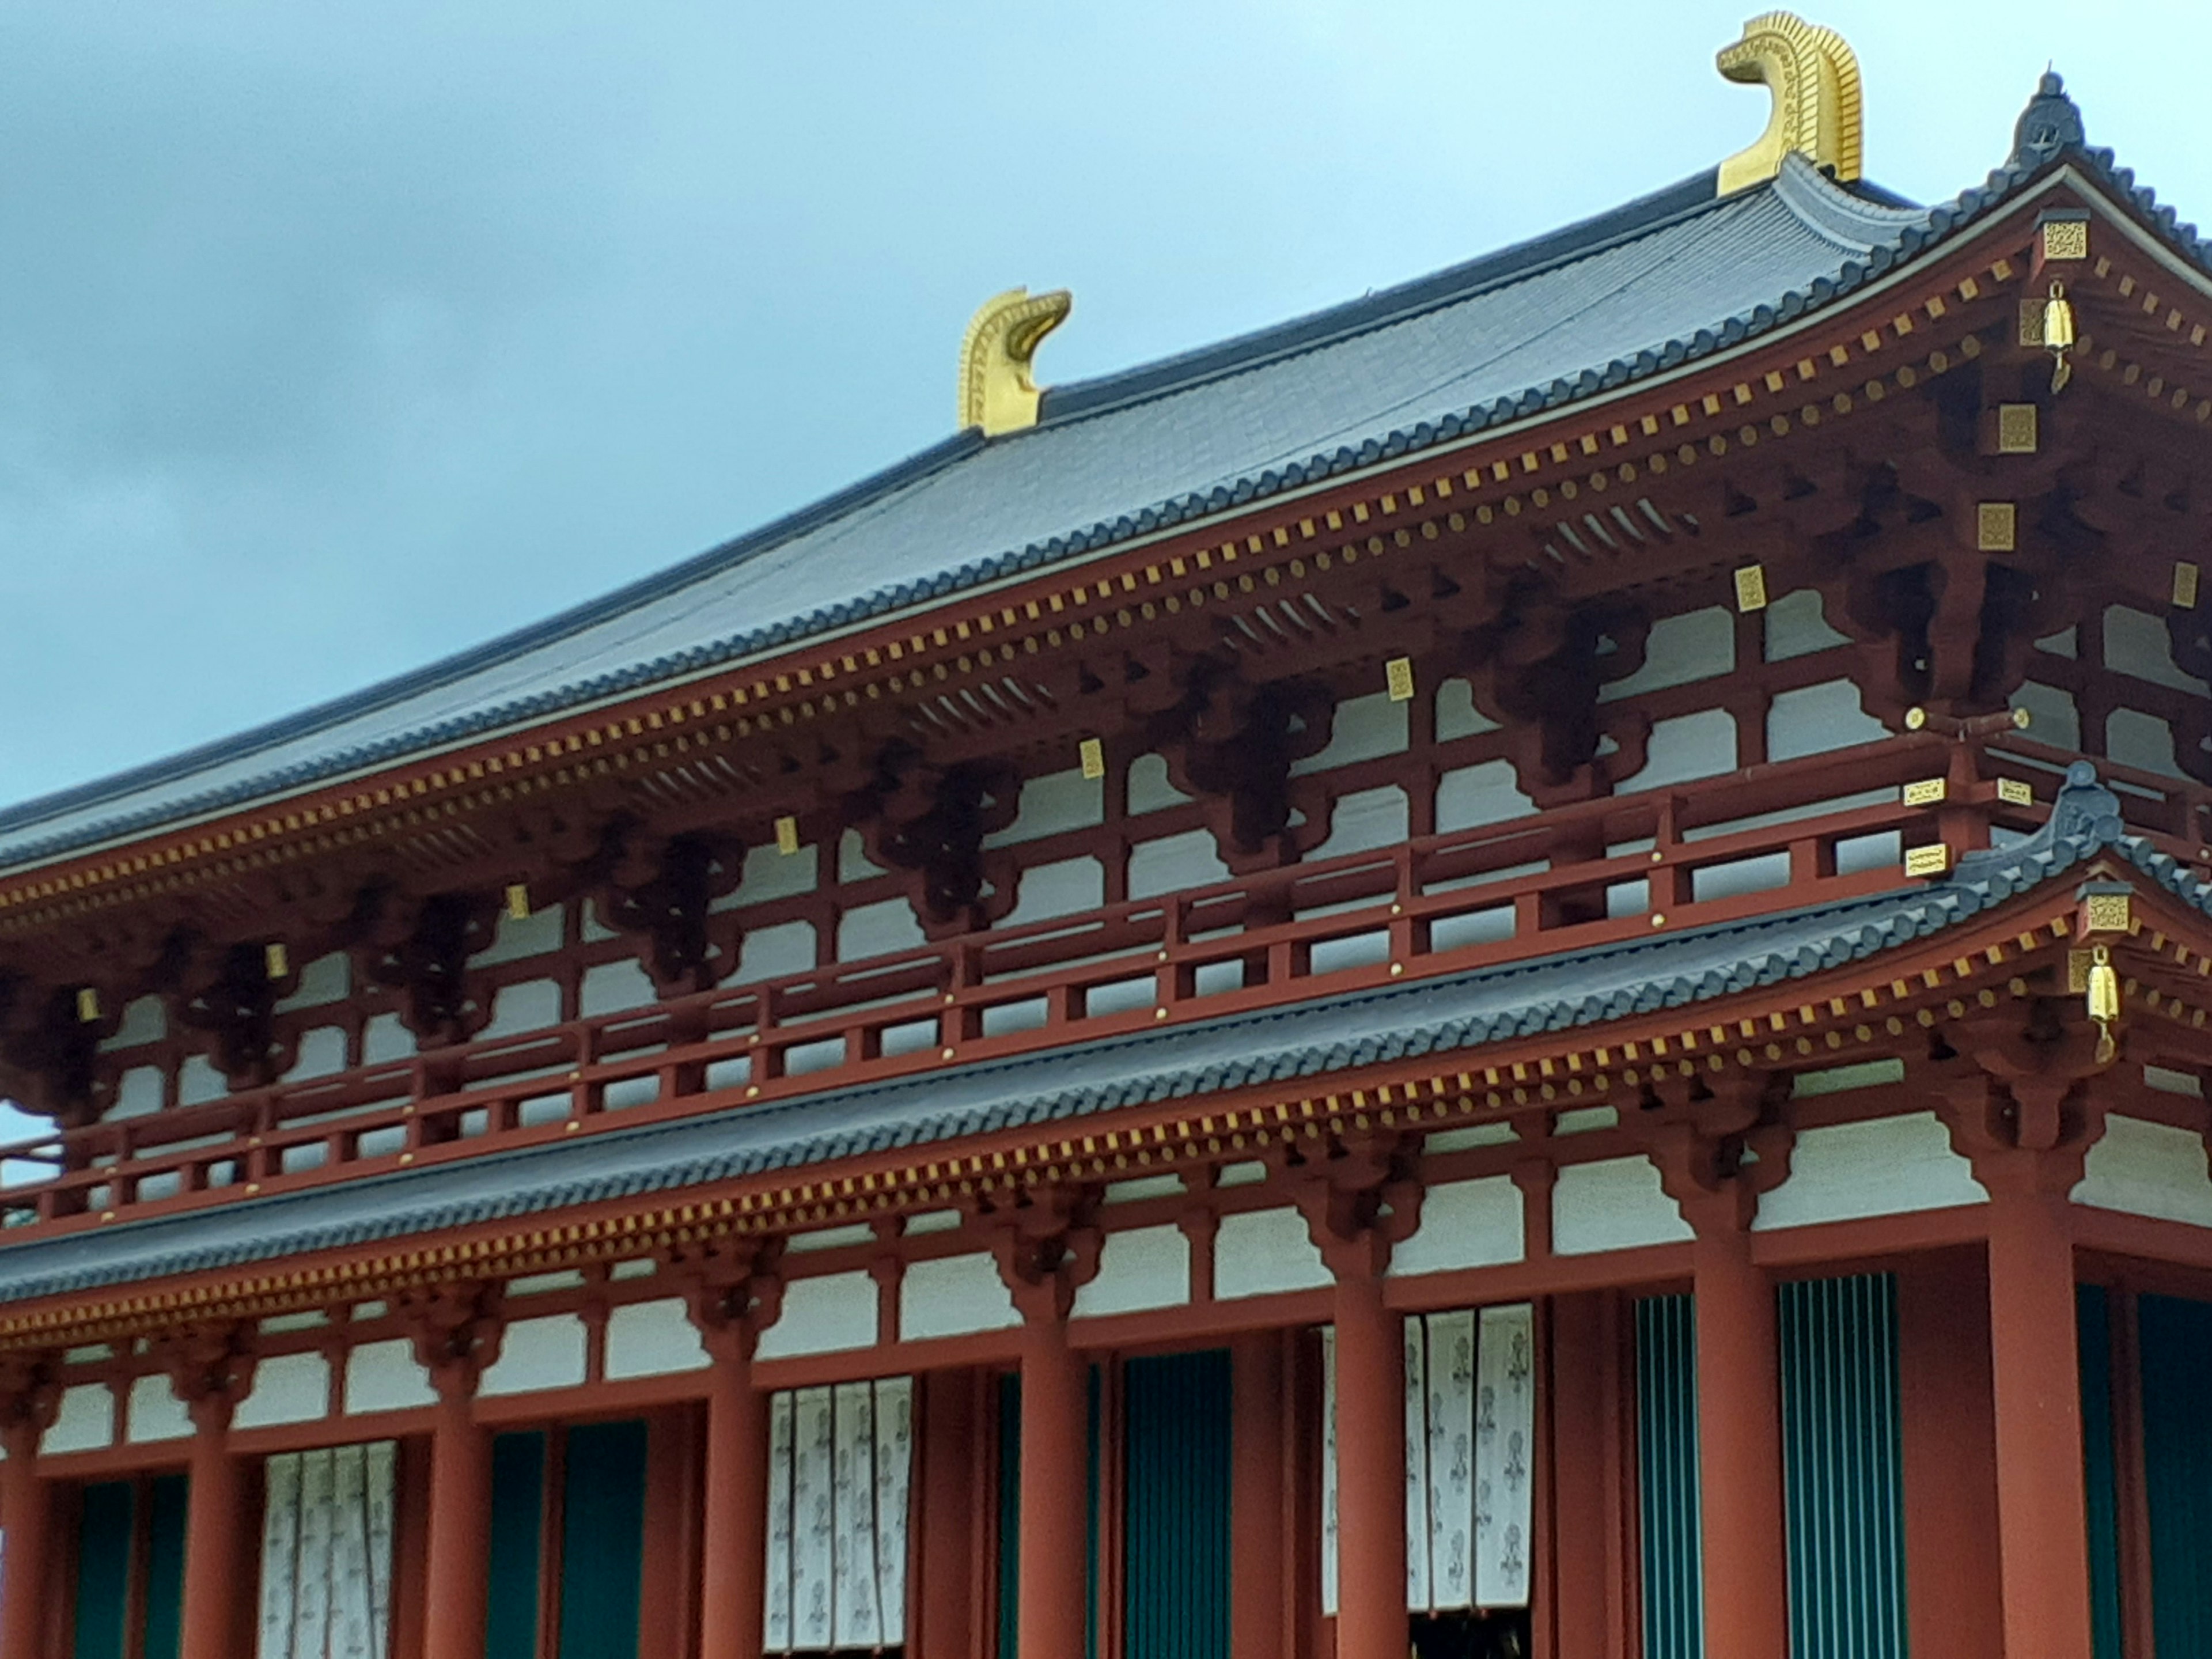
(996, 391)
(1815, 77)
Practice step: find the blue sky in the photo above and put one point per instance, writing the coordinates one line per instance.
(334, 337)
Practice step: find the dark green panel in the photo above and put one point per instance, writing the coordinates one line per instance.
(517, 1520)
(2099, 1468)
(602, 1540)
(1176, 1513)
(1844, 1467)
(104, 1530)
(1667, 1466)
(169, 1502)
(1009, 1514)
(2177, 1358)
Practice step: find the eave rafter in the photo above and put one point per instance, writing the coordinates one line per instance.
(989, 664)
(1897, 1002)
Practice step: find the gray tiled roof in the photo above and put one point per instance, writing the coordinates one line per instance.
(1437, 1016)
(1642, 290)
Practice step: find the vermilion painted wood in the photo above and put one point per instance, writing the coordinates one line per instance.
(2035, 1374)
(221, 1533)
(1371, 1472)
(1950, 1458)
(1259, 1511)
(27, 1509)
(945, 1554)
(733, 1600)
(1053, 1550)
(428, 1099)
(459, 1532)
(1740, 1451)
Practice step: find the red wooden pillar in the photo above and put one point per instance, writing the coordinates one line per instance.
(733, 1293)
(1590, 1532)
(211, 1370)
(1951, 1572)
(943, 1592)
(1739, 1449)
(455, 1583)
(1257, 1506)
(26, 1521)
(2028, 1137)
(456, 1330)
(1371, 1472)
(1054, 1547)
(733, 1600)
(2042, 1529)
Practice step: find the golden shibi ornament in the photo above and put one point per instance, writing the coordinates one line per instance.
(2058, 334)
(2104, 1000)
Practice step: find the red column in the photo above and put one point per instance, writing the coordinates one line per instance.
(1257, 1504)
(2043, 1535)
(1951, 1572)
(1739, 1450)
(732, 1597)
(947, 1555)
(1054, 1545)
(218, 1534)
(455, 1589)
(1371, 1472)
(25, 1516)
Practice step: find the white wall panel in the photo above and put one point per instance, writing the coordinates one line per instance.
(1464, 1223)
(1882, 1166)
(1615, 1205)
(823, 1316)
(289, 1387)
(155, 1412)
(1261, 1252)
(2148, 1168)
(952, 1295)
(652, 1338)
(85, 1421)
(385, 1376)
(537, 1353)
(1142, 1267)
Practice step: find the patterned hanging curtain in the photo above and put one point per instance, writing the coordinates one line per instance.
(840, 1469)
(326, 1554)
(1470, 1447)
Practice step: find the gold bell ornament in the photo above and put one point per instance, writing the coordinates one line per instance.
(2058, 334)
(2103, 1002)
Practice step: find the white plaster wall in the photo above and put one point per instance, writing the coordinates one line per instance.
(1883, 1166)
(2148, 1168)
(1261, 1252)
(952, 1295)
(822, 1315)
(652, 1338)
(1464, 1223)
(155, 1412)
(385, 1376)
(1614, 1205)
(537, 1353)
(288, 1387)
(1143, 1267)
(85, 1422)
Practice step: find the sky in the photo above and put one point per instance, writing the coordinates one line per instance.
(336, 338)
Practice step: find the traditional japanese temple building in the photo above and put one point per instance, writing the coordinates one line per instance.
(1520, 969)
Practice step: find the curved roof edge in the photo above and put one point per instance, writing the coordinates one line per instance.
(1866, 218)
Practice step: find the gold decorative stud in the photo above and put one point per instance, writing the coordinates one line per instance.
(518, 901)
(1996, 527)
(786, 835)
(1092, 753)
(1398, 678)
(2185, 575)
(2017, 432)
(1932, 859)
(275, 959)
(1750, 588)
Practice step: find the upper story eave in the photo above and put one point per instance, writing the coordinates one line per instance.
(1675, 287)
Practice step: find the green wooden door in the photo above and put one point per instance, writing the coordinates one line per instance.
(1176, 1506)
(2177, 1430)
(602, 1540)
(1667, 1470)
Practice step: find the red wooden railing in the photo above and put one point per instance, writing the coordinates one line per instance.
(1766, 839)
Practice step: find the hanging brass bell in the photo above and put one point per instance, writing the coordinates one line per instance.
(2103, 1002)
(2058, 334)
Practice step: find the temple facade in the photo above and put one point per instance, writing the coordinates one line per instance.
(1518, 971)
